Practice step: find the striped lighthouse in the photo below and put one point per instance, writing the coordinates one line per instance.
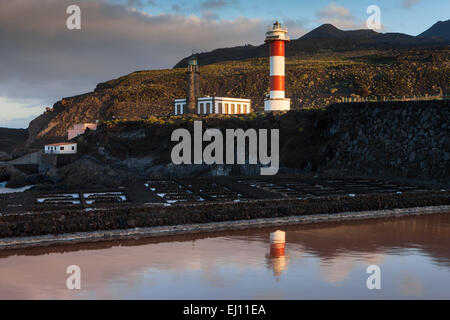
(276, 37)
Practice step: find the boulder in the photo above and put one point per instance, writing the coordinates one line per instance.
(39, 178)
(4, 156)
(15, 178)
(89, 172)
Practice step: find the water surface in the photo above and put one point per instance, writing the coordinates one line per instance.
(325, 261)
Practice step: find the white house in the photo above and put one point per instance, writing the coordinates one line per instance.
(219, 105)
(61, 148)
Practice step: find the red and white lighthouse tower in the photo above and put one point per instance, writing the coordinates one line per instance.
(276, 37)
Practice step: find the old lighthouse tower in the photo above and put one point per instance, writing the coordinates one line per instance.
(192, 93)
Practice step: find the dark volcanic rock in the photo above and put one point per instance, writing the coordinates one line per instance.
(89, 172)
(37, 179)
(440, 29)
(15, 178)
(383, 139)
(4, 156)
(403, 139)
(10, 139)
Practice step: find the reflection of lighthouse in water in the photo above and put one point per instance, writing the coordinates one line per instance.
(277, 258)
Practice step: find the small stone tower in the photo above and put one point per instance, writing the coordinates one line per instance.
(192, 75)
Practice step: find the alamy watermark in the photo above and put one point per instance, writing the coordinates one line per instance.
(73, 22)
(374, 20)
(73, 282)
(374, 280)
(235, 140)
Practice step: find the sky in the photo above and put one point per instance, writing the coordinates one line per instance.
(42, 61)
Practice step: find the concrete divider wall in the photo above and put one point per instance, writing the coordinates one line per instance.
(31, 158)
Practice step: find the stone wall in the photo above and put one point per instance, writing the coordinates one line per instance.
(69, 220)
(377, 139)
(395, 139)
(58, 160)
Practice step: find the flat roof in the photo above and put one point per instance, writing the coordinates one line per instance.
(237, 99)
(60, 144)
(220, 98)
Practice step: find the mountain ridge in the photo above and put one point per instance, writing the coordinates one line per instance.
(326, 37)
(440, 29)
(328, 30)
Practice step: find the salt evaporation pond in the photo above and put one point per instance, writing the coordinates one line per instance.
(324, 261)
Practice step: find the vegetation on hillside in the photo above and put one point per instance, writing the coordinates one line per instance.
(312, 81)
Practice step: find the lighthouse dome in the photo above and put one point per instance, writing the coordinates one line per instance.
(193, 61)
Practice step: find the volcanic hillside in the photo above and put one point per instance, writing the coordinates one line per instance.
(440, 29)
(396, 65)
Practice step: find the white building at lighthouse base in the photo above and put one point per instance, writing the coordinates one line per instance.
(277, 105)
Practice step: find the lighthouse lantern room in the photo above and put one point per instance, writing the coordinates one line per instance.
(276, 36)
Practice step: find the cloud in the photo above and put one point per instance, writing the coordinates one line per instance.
(209, 8)
(40, 60)
(338, 16)
(19, 112)
(216, 4)
(176, 8)
(410, 3)
(335, 11)
(196, 259)
(297, 27)
(135, 3)
(210, 15)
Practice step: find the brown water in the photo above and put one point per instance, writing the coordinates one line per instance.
(324, 261)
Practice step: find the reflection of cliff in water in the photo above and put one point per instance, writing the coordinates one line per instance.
(428, 233)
